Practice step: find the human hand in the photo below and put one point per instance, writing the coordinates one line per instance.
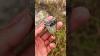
(43, 43)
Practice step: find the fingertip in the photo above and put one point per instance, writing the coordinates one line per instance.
(49, 17)
(52, 45)
(59, 25)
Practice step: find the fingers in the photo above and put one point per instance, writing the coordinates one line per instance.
(14, 34)
(39, 29)
(47, 34)
(50, 39)
(50, 47)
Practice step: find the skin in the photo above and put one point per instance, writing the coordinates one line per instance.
(46, 40)
(14, 33)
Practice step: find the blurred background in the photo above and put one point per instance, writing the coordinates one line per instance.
(86, 40)
(8, 9)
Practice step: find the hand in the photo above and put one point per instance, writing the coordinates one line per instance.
(13, 34)
(43, 44)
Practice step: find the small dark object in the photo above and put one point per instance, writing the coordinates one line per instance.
(50, 23)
